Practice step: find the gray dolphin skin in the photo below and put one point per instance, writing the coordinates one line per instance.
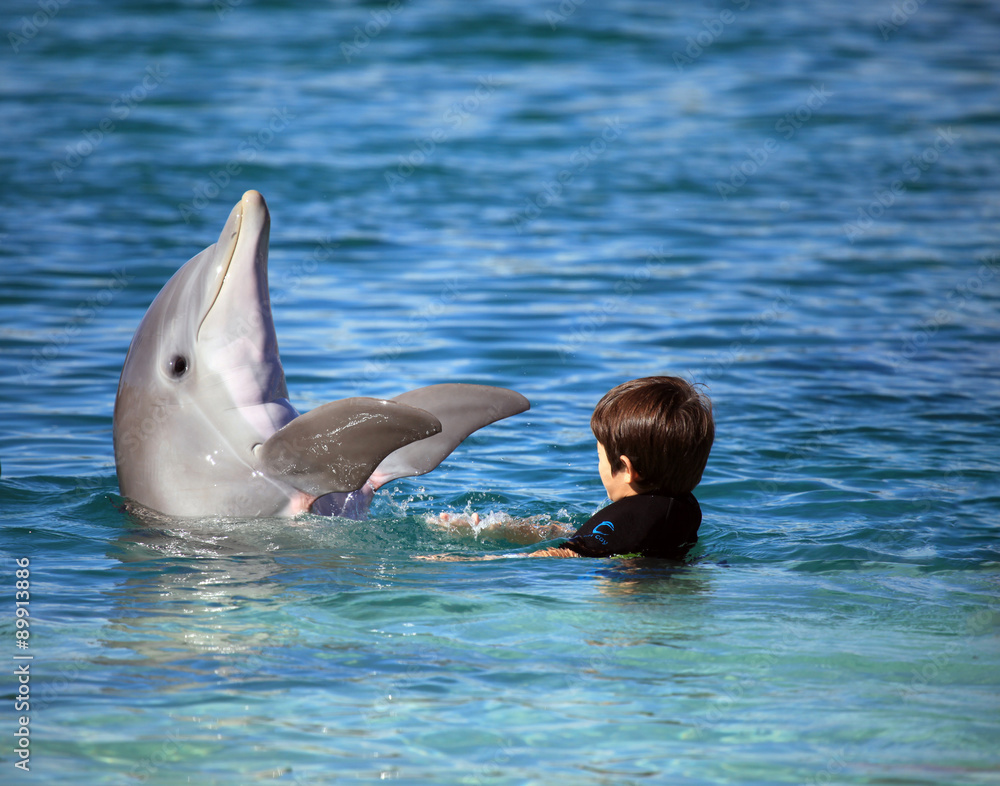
(203, 426)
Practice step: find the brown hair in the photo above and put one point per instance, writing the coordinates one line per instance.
(665, 427)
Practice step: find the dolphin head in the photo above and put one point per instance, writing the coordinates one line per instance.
(202, 385)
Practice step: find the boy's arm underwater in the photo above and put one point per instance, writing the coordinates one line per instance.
(520, 531)
(550, 552)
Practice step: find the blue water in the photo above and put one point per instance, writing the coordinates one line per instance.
(797, 204)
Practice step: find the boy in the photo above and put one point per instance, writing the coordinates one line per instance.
(653, 439)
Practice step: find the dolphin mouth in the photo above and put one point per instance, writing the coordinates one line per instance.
(241, 258)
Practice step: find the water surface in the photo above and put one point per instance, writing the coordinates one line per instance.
(793, 203)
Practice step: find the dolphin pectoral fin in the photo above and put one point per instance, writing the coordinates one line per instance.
(462, 409)
(336, 446)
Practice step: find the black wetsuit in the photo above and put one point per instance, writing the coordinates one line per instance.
(654, 524)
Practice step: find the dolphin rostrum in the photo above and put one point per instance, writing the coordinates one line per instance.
(202, 423)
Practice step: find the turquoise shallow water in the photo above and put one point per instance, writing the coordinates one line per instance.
(795, 203)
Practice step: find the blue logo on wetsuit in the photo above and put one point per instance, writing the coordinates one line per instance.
(597, 534)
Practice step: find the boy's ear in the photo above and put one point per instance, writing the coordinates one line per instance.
(633, 476)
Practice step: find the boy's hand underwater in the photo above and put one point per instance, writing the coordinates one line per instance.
(522, 532)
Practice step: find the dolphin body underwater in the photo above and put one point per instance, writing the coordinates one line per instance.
(202, 422)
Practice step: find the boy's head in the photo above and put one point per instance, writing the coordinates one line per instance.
(663, 425)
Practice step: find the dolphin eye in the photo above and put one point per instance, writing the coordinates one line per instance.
(178, 366)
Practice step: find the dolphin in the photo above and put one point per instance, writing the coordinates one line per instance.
(202, 422)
